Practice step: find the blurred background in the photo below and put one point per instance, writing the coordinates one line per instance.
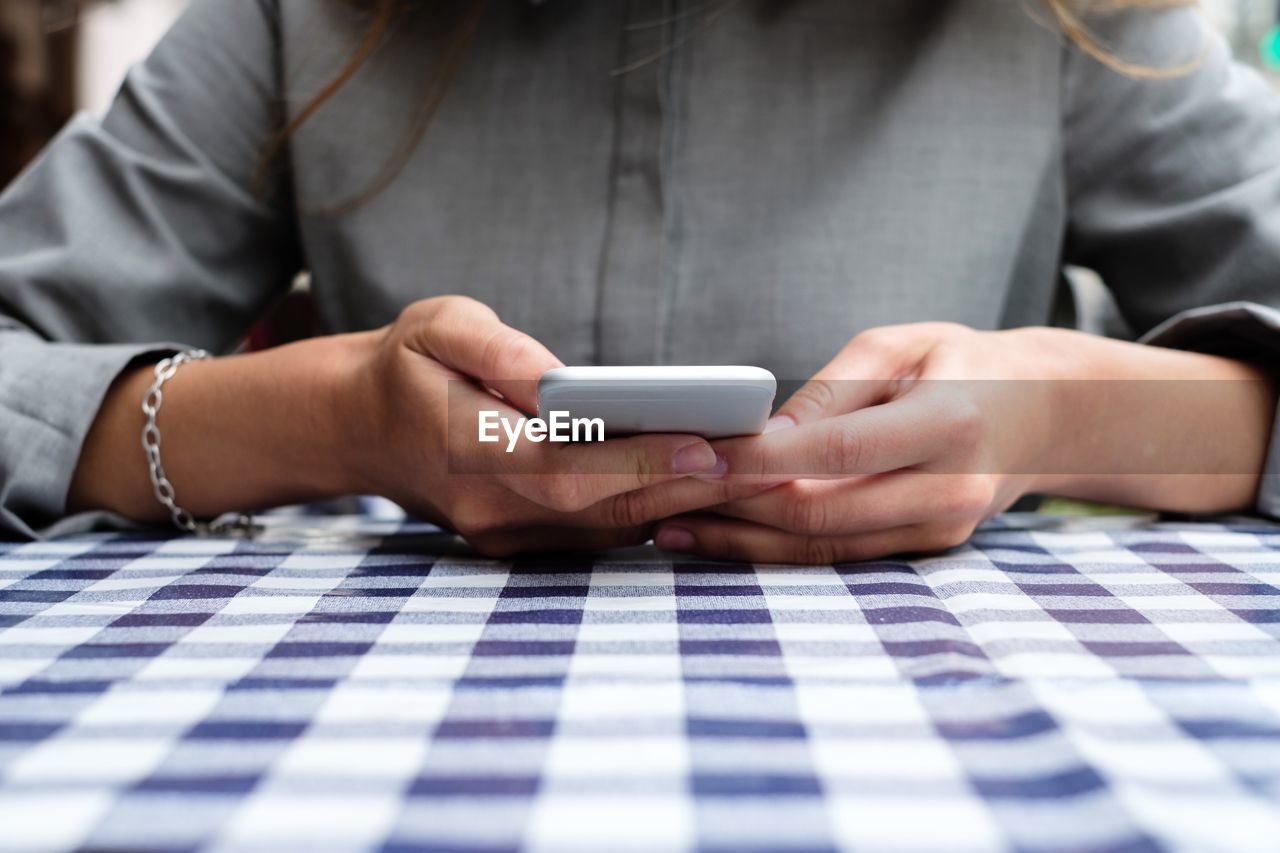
(59, 56)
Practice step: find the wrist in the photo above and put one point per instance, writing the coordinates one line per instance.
(320, 382)
(1046, 354)
(254, 431)
(1149, 426)
(1047, 365)
(111, 472)
(239, 434)
(346, 411)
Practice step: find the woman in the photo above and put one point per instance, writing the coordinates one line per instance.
(765, 182)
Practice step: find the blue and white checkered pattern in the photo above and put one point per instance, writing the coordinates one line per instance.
(374, 688)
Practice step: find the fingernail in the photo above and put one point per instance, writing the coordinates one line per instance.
(693, 458)
(675, 539)
(778, 422)
(715, 473)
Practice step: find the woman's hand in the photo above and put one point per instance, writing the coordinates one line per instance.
(415, 399)
(914, 435)
(391, 412)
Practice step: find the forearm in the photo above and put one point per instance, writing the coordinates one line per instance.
(1156, 428)
(239, 433)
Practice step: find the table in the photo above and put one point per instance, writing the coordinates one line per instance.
(362, 685)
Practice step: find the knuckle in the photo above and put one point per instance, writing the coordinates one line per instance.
(880, 340)
(437, 307)
(422, 310)
(964, 422)
(473, 519)
(750, 465)
(845, 449)
(416, 317)
(945, 536)
(972, 496)
(454, 302)
(944, 329)
(643, 471)
(804, 515)
(727, 492)
(562, 493)
(817, 549)
(816, 396)
(504, 347)
(630, 509)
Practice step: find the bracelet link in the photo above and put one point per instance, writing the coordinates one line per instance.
(237, 524)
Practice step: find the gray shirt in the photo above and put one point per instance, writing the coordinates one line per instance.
(776, 177)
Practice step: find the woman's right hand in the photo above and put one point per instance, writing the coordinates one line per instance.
(413, 402)
(391, 412)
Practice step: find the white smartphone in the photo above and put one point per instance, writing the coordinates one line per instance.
(713, 402)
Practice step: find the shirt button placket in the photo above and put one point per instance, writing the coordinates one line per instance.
(635, 269)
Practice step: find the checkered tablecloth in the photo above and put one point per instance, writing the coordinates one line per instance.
(362, 686)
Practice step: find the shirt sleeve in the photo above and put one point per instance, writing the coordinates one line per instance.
(135, 234)
(1173, 190)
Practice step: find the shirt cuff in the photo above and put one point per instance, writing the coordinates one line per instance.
(50, 394)
(1242, 330)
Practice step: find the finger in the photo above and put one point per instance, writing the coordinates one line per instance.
(507, 510)
(543, 540)
(865, 505)
(677, 497)
(568, 477)
(864, 373)
(909, 431)
(572, 477)
(731, 539)
(467, 336)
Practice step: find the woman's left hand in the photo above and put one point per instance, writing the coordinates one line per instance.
(914, 435)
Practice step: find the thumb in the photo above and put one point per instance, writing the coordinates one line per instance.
(864, 373)
(468, 337)
(821, 398)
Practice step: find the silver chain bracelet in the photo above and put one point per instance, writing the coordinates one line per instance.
(233, 524)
